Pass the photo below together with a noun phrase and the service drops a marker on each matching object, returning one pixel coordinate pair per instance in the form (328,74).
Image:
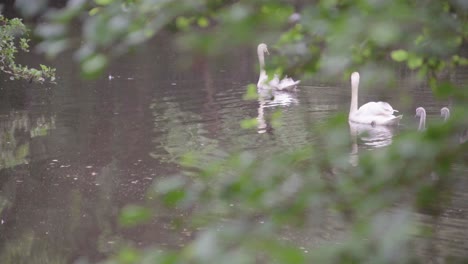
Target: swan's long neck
(445,113)
(261,60)
(422,121)
(354,92)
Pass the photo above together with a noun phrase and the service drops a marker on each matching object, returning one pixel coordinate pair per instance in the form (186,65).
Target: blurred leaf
(174,197)
(251,92)
(171,190)
(103,2)
(399,55)
(94,11)
(169,184)
(93,66)
(249,123)
(189,159)
(443,89)
(284,253)
(30,8)
(414,62)
(182,23)
(128,256)
(132,215)
(203,22)
(276,118)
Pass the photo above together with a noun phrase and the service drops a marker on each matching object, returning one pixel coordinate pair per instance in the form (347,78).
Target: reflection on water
(276,99)
(72,156)
(17,129)
(370,137)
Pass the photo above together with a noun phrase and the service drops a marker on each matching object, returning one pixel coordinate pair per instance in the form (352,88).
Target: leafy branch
(14,37)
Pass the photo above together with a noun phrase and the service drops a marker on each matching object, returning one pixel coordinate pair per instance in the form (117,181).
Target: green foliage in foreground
(253,208)
(14,36)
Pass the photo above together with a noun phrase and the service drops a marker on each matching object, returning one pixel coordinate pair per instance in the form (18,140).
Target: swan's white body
(445,113)
(421,112)
(275,83)
(372,113)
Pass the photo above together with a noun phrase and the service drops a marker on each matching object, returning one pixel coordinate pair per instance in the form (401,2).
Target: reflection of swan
(421,112)
(275,83)
(445,113)
(372,113)
(463,136)
(278,99)
(371,137)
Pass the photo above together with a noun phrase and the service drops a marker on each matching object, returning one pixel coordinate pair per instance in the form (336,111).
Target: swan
(372,113)
(445,113)
(421,112)
(275,83)
(463,135)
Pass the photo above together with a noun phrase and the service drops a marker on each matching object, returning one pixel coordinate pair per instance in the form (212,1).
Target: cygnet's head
(445,112)
(262,47)
(420,111)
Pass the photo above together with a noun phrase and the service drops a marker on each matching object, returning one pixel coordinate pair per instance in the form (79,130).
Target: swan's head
(355,79)
(295,17)
(262,47)
(445,112)
(420,111)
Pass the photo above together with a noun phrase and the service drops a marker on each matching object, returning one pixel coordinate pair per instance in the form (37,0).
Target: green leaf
(93,66)
(103,2)
(399,55)
(189,159)
(128,256)
(174,197)
(182,23)
(249,123)
(94,11)
(169,184)
(132,215)
(251,93)
(443,90)
(414,62)
(276,118)
(203,22)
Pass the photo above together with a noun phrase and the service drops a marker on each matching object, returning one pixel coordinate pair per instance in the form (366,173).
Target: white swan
(445,113)
(275,83)
(372,113)
(421,112)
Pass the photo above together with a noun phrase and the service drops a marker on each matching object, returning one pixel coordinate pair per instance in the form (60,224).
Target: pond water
(73,154)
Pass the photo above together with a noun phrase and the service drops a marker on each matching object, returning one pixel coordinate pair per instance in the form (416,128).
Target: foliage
(243,207)
(13,34)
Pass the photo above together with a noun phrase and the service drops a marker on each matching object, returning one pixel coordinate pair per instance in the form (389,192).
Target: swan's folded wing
(383,109)
(274,82)
(288,83)
(387,107)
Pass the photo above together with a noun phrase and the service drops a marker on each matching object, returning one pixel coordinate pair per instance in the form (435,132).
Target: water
(73,154)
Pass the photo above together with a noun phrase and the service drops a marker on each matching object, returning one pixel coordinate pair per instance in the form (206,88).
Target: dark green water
(73,154)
